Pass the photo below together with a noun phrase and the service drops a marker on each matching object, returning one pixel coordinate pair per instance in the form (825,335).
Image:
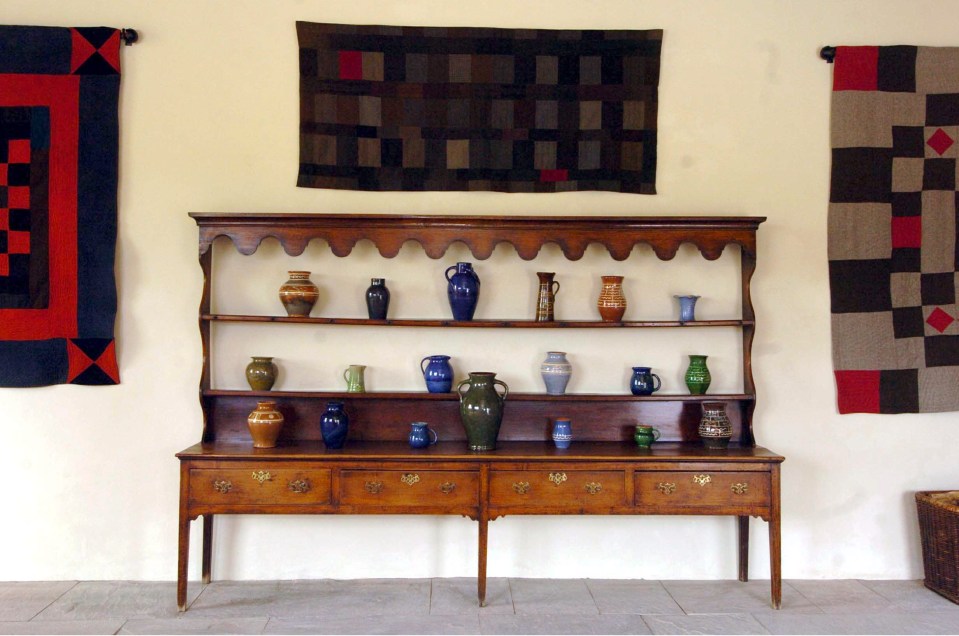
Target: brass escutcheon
(740,488)
(557,478)
(262,475)
(410,478)
(593,487)
(702,480)
(300,485)
(666,487)
(522,487)
(224,486)
(373,487)
(447,487)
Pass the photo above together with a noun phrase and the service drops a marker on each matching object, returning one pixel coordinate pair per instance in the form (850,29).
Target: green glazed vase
(481,409)
(697,375)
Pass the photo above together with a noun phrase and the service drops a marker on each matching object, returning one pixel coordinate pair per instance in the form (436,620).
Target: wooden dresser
(602,473)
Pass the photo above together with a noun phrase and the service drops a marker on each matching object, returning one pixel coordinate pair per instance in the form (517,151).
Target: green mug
(645,435)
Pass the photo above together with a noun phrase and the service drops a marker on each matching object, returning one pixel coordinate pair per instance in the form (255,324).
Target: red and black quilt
(460,108)
(58,204)
(894,202)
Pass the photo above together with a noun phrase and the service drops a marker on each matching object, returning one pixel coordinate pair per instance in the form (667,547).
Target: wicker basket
(939,531)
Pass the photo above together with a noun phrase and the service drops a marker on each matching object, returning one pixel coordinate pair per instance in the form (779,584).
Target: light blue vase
(687,308)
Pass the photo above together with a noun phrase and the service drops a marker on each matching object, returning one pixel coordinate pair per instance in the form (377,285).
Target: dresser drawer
(260,485)
(681,488)
(409,488)
(557,488)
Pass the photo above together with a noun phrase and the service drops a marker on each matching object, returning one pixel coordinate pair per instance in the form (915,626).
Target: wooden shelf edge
(530,397)
(485,323)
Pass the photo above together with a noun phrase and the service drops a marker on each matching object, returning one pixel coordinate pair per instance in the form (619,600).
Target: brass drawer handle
(447,487)
(410,478)
(300,485)
(373,487)
(262,475)
(521,487)
(666,487)
(594,487)
(702,480)
(224,486)
(557,478)
(740,488)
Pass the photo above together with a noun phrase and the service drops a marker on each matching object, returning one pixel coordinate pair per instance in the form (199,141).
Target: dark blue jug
(334,425)
(438,374)
(463,290)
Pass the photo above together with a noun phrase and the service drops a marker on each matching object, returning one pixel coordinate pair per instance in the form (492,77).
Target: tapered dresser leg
(743,548)
(481,566)
(183,541)
(207,547)
(775,542)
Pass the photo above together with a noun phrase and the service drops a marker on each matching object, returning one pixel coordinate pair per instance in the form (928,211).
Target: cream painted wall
(209,122)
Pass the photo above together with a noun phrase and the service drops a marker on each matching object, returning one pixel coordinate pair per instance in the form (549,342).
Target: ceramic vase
(463,290)
(687,308)
(556,371)
(714,427)
(546,296)
(421,435)
(612,301)
(261,373)
(377,299)
(562,432)
(354,376)
(298,294)
(334,425)
(481,409)
(644,381)
(438,373)
(265,423)
(644,436)
(697,375)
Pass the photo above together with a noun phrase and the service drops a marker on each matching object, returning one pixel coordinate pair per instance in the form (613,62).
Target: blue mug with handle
(421,435)
(438,373)
(644,381)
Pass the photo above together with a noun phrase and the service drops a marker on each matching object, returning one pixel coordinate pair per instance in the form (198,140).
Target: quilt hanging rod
(828,53)
(129,36)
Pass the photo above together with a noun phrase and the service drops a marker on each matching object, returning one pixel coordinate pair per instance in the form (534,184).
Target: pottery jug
(334,425)
(687,308)
(714,427)
(353,375)
(545,298)
(377,299)
(298,294)
(644,381)
(612,301)
(265,423)
(562,432)
(421,435)
(463,290)
(645,435)
(556,371)
(697,375)
(261,373)
(438,373)
(481,409)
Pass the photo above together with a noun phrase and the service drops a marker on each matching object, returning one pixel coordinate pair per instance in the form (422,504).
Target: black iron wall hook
(129,36)
(828,53)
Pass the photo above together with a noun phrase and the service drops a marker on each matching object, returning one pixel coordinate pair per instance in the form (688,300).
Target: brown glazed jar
(265,423)
(612,301)
(299,294)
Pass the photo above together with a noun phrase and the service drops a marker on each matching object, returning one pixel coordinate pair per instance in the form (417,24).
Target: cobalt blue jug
(438,374)
(463,290)
(334,425)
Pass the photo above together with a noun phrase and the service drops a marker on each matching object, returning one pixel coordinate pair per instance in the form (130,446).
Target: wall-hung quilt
(58,204)
(510,110)
(893,257)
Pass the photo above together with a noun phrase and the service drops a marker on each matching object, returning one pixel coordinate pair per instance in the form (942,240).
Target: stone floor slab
(106,626)
(376,625)
(735,597)
(845,597)
(563,624)
(552,596)
(618,596)
(705,624)
(911,596)
(869,623)
(458,596)
(194,626)
(95,600)
(21,601)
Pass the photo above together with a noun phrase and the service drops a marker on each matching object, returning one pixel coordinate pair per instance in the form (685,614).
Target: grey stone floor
(448,606)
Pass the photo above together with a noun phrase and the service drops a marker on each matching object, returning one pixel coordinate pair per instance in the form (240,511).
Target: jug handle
(435,435)
(658,384)
(345,371)
(556,285)
(655,434)
(448,272)
(459,385)
(505,388)
(421,365)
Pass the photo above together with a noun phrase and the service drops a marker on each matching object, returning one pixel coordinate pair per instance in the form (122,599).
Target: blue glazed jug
(421,435)
(463,290)
(438,373)
(644,381)
(334,425)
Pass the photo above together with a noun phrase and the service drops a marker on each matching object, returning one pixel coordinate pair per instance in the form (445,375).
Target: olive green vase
(481,409)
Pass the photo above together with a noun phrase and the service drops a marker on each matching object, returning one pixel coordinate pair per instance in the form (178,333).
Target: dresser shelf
(479,323)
